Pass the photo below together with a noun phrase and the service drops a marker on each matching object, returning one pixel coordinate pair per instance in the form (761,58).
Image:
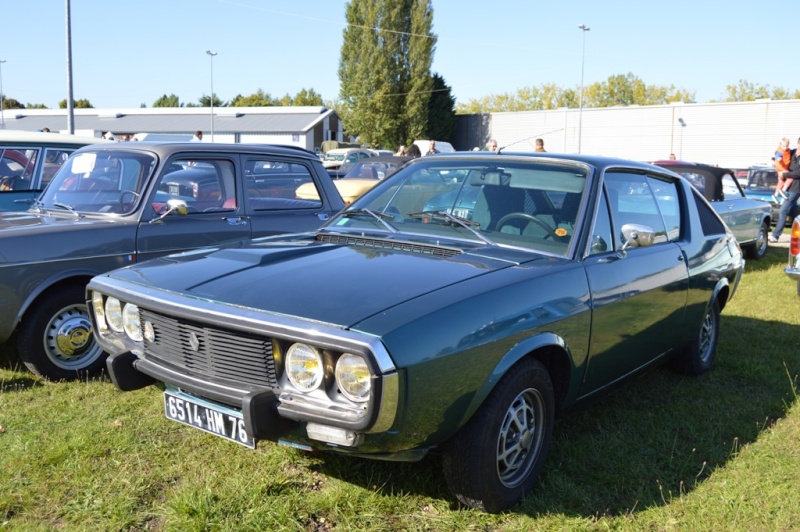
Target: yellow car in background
(363,176)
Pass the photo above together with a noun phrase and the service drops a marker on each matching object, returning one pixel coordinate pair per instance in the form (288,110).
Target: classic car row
(417,321)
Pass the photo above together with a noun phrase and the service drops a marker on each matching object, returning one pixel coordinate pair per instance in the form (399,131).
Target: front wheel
(699,355)
(497,456)
(55,337)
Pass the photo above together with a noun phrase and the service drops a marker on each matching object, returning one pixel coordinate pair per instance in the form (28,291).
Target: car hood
(335,284)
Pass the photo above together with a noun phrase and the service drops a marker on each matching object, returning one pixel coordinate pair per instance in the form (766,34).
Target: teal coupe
(414,322)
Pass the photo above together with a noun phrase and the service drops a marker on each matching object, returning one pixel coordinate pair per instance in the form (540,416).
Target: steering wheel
(525,216)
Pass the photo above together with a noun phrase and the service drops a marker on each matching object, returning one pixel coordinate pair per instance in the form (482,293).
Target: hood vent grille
(392,245)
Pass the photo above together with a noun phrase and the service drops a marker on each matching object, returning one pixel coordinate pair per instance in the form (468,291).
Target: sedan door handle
(236,220)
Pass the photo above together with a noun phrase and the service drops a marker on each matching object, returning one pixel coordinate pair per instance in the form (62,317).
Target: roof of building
(171,119)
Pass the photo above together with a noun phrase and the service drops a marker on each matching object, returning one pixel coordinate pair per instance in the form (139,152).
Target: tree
(35,106)
(307,97)
(168,101)
(384,70)
(441,111)
(257,99)
(11,103)
(76,104)
(205,101)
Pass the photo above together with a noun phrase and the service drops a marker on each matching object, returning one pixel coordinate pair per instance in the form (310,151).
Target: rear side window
(205,185)
(272,184)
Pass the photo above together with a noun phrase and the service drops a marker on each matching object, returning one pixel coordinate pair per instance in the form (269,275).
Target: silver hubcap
(706,337)
(520,438)
(68,339)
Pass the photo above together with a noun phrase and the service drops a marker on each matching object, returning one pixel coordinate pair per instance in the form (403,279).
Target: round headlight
(304,367)
(130,318)
(99,312)
(114,314)
(353,377)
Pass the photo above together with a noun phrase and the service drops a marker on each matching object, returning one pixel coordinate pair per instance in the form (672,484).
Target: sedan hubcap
(68,339)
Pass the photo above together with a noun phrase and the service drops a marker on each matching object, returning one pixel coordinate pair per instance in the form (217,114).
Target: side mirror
(637,236)
(176,206)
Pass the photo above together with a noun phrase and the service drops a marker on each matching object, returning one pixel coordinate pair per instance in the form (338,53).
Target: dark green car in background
(464,328)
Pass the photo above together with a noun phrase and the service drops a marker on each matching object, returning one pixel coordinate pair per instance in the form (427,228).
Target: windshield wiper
(70,208)
(447,217)
(380,216)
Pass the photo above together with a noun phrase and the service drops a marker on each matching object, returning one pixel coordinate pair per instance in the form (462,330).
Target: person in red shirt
(783,156)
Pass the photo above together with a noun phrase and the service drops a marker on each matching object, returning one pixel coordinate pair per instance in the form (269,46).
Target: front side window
(207,185)
(635,198)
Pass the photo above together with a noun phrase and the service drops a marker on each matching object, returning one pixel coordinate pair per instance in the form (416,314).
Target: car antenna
(529,138)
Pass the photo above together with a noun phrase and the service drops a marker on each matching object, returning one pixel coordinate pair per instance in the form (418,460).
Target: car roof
(598,161)
(683,165)
(37,137)
(165,149)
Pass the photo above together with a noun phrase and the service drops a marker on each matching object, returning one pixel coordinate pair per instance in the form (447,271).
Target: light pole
(584,28)
(211,55)
(2,114)
(680,151)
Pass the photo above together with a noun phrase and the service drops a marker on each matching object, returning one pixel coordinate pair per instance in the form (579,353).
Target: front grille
(394,245)
(203,350)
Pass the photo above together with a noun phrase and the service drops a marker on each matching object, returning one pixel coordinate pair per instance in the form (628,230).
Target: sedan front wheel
(56,340)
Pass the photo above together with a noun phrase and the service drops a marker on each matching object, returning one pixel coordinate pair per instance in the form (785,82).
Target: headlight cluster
(111,313)
(305,369)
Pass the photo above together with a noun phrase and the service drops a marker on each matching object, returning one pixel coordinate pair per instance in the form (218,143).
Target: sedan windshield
(103,181)
(509,201)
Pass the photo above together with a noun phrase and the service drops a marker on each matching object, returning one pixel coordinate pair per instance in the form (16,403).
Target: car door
(638,294)
(208,186)
(272,199)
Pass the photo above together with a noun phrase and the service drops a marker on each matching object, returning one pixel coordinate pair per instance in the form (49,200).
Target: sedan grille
(203,350)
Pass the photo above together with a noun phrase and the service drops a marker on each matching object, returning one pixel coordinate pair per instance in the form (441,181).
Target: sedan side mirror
(177,206)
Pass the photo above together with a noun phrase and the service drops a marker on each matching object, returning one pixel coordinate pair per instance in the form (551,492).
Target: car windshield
(105,181)
(334,157)
(512,202)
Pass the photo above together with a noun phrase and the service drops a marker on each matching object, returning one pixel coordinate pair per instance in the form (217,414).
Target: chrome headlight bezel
(131,322)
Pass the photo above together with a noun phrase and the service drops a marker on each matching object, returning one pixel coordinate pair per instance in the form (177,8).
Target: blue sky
(126,53)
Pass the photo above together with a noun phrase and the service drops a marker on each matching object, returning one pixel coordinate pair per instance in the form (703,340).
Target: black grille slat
(221,353)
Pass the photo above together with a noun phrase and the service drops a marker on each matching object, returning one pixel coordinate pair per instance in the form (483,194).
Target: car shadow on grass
(649,442)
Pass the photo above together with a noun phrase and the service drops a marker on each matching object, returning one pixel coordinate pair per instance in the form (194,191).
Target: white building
(733,135)
(306,127)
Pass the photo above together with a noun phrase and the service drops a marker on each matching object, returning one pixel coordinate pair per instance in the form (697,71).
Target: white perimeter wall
(734,135)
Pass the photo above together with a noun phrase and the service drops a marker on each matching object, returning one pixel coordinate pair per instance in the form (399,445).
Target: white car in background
(441,145)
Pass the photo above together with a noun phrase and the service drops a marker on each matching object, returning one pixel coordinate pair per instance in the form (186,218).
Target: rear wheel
(497,456)
(698,357)
(55,338)
(758,249)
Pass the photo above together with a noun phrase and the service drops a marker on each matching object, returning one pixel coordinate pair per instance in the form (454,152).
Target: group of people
(787,191)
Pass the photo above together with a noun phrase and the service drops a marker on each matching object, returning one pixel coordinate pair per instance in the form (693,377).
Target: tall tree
(307,97)
(11,103)
(384,70)
(441,111)
(257,99)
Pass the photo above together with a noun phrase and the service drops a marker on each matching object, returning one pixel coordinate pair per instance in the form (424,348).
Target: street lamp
(683,125)
(584,28)
(211,55)
(2,114)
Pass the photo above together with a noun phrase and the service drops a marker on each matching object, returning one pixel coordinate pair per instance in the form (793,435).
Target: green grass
(665,452)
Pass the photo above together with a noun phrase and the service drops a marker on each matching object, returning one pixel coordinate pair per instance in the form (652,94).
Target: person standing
(491,145)
(789,206)
(540,145)
(198,136)
(783,156)
(432,148)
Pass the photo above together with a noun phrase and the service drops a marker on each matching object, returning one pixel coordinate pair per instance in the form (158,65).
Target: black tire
(496,458)
(758,249)
(55,338)
(699,355)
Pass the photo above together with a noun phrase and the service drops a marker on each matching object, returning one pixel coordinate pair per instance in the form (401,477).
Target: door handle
(237,220)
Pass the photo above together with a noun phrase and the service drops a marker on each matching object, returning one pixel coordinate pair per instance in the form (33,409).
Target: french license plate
(221,421)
